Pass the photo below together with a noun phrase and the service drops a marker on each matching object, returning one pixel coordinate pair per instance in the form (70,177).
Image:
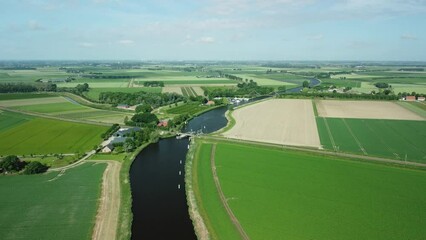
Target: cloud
(206,40)
(316,37)
(408,37)
(86,45)
(126,42)
(35,25)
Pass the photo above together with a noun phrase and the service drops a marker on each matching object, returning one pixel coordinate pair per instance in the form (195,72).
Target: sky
(292,30)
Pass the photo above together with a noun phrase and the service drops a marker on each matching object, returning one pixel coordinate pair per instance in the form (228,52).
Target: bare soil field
(279,121)
(365,110)
(31,101)
(169,89)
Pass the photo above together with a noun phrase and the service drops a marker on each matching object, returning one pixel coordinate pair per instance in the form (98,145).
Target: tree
(11,163)
(141,119)
(305,84)
(143,108)
(35,168)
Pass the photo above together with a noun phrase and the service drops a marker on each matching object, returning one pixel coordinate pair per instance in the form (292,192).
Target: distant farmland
(50,206)
(395,139)
(44,136)
(276,193)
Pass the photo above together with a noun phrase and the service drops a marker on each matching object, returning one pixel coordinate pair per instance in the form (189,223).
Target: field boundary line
(109,207)
(355,138)
(329,134)
(222,196)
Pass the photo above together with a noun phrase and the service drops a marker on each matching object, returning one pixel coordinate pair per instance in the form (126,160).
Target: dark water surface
(159,204)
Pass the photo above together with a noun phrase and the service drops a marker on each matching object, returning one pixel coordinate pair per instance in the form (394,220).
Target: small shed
(210,103)
(108,148)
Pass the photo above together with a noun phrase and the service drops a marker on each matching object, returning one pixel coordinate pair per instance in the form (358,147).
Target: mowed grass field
(28,135)
(283,194)
(45,207)
(395,139)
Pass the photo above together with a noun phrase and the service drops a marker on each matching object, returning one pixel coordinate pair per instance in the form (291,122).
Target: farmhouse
(210,103)
(123,106)
(421,99)
(124,132)
(410,98)
(163,123)
(110,146)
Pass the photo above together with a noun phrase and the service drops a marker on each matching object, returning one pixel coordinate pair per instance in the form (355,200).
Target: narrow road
(80,161)
(108,211)
(222,196)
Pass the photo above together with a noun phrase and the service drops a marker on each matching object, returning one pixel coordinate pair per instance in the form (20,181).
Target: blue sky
(213,30)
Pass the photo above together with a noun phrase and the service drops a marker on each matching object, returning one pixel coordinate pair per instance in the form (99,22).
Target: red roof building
(410,98)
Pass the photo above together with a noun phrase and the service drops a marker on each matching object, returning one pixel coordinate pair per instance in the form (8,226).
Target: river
(159,207)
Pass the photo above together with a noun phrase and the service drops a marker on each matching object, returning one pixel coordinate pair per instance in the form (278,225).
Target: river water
(157,183)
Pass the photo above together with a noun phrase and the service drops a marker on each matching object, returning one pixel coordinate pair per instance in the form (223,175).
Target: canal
(159,207)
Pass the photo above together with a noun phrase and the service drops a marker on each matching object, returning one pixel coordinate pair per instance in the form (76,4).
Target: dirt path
(222,197)
(108,211)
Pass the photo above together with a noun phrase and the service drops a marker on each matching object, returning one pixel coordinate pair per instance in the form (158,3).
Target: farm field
(276,79)
(365,110)
(172,89)
(188,92)
(31,101)
(49,206)
(279,121)
(394,139)
(44,136)
(64,108)
(14,96)
(306,196)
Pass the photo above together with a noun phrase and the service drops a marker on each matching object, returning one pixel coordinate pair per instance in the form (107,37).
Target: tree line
(22,87)
(153,99)
(12,164)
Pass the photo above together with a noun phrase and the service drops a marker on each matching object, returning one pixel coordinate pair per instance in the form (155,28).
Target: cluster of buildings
(118,137)
(413,98)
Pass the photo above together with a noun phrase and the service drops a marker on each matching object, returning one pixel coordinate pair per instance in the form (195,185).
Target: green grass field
(44,136)
(53,107)
(278,194)
(208,200)
(33,207)
(14,96)
(395,139)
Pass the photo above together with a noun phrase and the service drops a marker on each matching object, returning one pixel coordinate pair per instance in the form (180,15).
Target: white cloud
(316,37)
(206,40)
(408,37)
(86,45)
(35,25)
(126,42)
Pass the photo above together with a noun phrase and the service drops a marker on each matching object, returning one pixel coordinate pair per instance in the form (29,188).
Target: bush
(11,164)
(35,168)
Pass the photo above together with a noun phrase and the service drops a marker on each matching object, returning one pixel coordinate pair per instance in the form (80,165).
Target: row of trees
(153,99)
(12,163)
(377,96)
(21,87)
(153,84)
(244,89)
